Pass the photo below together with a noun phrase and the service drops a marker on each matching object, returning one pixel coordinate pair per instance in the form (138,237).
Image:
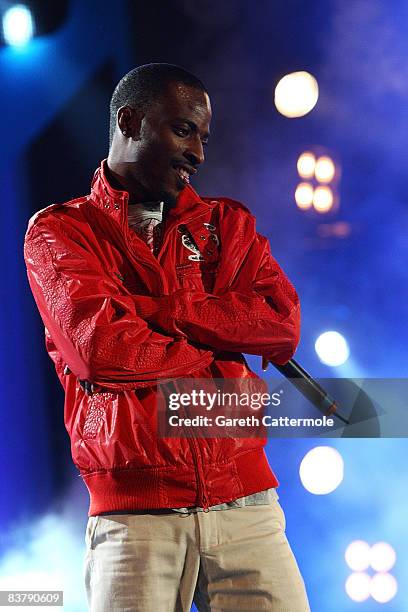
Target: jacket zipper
(150,261)
(197,459)
(198,463)
(203,497)
(195,450)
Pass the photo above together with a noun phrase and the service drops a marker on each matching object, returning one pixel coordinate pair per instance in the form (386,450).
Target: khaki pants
(236,559)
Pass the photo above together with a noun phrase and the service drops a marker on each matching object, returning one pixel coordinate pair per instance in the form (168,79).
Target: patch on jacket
(189,243)
(209,239)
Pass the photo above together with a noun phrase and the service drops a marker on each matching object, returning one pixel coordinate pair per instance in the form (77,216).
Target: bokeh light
(18,26)
(325,169)
(383,587)
(304,196)
(322,470)
(296,94)
(332,348)
(357,555)
(306,164)
(382,557)
(358,586)
(323,199)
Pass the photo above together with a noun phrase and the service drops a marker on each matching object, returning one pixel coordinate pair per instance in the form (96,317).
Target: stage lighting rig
(361,558)
(320,176)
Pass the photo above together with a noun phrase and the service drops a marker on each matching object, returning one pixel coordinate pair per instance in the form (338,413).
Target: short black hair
(144,85)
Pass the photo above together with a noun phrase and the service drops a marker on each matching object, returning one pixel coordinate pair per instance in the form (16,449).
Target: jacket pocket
(91,531)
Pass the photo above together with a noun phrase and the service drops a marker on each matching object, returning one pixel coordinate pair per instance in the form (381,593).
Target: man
(141,281)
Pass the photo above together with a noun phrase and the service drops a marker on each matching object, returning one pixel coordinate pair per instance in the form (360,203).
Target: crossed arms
(113,338)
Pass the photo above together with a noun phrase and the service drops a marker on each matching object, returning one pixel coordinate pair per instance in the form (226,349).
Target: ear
(129,122)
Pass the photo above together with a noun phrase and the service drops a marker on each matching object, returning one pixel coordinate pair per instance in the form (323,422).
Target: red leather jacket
(121,318)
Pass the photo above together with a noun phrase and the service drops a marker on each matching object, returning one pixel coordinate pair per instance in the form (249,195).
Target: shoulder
(228,204)
(236,221)
(241,218)
(55,213)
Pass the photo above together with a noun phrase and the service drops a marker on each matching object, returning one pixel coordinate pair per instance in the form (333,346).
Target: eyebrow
(193,126)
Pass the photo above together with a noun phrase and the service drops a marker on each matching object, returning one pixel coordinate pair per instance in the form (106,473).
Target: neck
(120,177)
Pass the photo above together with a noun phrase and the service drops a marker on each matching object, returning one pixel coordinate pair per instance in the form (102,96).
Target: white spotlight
(323,199)
(382,557)
(296,94)
(332,348)
(357,555)
(304,196)
(306,164)
(383,587)
(18,26)
(325,169)
(321,470)
(358,586)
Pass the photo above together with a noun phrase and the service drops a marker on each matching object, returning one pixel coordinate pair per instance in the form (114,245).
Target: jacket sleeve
(258,314)
(99,332)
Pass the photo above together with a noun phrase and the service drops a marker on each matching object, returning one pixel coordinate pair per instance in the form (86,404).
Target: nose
(195,151)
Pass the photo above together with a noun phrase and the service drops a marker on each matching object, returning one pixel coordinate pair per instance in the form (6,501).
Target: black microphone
(310,388)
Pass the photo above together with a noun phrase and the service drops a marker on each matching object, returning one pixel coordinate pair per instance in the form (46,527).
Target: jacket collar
(114,202)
